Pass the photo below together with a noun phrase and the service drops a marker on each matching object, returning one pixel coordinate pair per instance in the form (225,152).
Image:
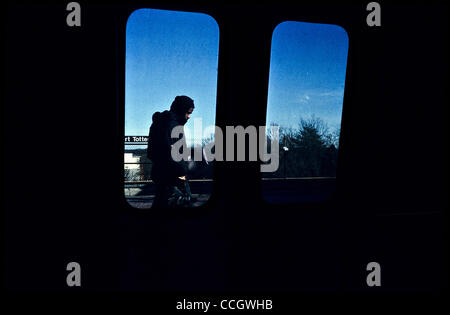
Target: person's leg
(172,192)
(161,195)
(182,193)
(188,192)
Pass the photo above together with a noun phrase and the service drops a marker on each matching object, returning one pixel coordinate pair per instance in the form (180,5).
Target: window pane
(168,53)
(305,99)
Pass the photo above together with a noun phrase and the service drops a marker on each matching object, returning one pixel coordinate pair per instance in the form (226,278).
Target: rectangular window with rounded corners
(305,99)
(169,54)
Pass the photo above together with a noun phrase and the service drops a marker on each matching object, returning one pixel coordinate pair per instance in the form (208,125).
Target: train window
(305,99)
(168,54)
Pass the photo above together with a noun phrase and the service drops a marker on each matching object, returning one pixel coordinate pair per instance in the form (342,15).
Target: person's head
(182,107)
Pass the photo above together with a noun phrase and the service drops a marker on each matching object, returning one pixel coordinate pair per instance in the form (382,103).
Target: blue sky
(170,53)
(307,73)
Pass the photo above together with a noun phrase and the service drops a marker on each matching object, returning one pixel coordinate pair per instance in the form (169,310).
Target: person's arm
(178,167)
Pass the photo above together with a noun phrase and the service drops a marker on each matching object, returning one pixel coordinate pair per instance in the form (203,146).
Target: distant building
(131,170)
(130,158)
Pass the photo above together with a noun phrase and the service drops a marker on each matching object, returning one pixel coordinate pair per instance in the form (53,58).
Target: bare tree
(309,150)
(131,175)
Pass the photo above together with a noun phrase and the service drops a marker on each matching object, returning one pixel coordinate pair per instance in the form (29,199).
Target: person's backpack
(151,136)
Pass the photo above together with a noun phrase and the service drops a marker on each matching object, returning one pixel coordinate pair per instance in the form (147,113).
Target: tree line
(310,150)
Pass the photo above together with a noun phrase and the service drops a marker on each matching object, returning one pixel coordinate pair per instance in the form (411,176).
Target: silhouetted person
(169,176)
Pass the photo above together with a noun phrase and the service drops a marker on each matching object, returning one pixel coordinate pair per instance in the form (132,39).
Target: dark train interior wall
(64,122)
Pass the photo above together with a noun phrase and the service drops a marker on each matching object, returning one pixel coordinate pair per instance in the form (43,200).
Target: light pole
(285,149)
